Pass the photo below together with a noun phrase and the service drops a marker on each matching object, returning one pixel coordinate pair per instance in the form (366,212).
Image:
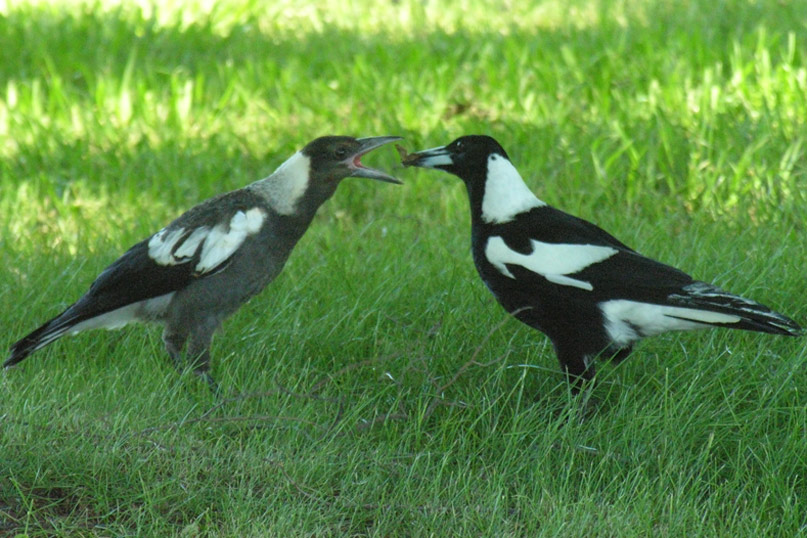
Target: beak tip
(368,145)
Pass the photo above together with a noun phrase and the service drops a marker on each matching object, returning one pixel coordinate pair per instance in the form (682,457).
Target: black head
(466,157)
(333,158)
(310,176)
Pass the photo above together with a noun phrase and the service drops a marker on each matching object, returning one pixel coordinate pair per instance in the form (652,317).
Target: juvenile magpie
(204,265)
(587,291)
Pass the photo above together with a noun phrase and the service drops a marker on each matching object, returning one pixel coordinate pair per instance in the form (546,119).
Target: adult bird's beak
(367,145)
(428,158)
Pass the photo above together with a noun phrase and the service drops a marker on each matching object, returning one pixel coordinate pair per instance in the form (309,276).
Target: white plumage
(190,245)
(506,195)
(222,241)
(289,183)
(161,246)
(628,321)
(218,243)
(552,261)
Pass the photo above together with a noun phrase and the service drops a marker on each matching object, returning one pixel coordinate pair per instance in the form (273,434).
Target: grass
(375,388)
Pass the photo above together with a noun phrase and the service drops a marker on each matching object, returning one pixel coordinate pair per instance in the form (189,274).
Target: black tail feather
(44,335)
(753,315)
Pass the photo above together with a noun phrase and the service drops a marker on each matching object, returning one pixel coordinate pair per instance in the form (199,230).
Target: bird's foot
(214,387)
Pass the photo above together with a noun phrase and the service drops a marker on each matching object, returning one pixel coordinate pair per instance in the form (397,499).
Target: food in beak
(407,159)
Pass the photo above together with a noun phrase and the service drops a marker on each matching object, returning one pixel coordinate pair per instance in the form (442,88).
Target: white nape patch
(506,194)
(222,241)
(146,310)
(627,321)
(553,261)
(287,184)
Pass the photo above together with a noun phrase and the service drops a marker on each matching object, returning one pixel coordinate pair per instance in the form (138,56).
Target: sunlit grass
(679,127)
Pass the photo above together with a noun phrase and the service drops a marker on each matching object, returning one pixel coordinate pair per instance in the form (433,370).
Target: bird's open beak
(428,158)
(367,145)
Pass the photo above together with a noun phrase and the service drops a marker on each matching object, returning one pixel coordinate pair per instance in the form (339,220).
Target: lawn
(376,388)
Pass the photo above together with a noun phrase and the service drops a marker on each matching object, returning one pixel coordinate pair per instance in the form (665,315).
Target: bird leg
(174,342)
(580,375)
(202,369)
(199,354)
(579,369)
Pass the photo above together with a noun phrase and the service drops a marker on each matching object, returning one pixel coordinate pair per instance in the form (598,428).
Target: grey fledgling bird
(203,266)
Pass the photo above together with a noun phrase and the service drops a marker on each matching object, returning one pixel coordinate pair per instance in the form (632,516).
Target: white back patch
(506,194)
(627,321)
(552,261)
(287,184)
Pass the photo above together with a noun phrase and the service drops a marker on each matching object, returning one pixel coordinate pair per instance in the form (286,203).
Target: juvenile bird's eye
(340,153)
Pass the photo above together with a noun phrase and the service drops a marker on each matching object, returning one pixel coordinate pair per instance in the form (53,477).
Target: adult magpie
(204,265)
(586,290)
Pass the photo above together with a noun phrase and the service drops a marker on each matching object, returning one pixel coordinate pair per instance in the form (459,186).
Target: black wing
(199,243)
(629,275)
(151,268)
(550,225)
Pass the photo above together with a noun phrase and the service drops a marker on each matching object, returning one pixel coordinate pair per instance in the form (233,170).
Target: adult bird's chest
(530,283)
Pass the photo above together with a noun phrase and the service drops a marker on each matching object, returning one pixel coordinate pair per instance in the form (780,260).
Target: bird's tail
(751,316)
(44,335)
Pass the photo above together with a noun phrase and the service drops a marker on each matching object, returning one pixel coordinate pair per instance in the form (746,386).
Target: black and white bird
(204,265)
(587,291)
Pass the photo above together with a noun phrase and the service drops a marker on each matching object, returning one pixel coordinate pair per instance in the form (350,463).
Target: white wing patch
(217,244)
(506,194)
(221,242)
(627,321)
(191,244)
(553,261)
(162,244)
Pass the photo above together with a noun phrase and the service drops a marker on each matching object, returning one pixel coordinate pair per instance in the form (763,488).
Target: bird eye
(340,153)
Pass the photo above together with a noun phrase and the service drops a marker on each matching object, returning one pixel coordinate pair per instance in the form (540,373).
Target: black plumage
(587,291)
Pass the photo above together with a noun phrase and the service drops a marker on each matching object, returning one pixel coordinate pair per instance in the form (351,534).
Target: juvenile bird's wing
(199,243)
